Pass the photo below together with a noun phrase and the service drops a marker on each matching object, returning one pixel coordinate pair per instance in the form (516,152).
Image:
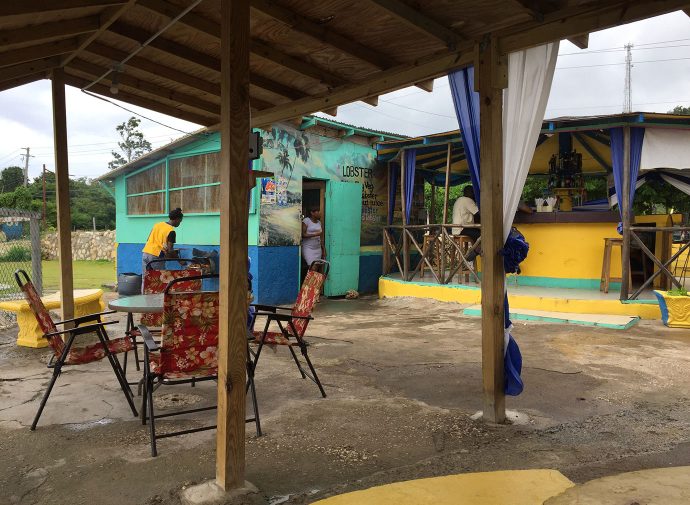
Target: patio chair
(292,322)
(186,354)
(155,281)
(64,353)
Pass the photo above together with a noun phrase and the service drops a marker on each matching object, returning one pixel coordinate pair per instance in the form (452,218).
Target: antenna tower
(627,98)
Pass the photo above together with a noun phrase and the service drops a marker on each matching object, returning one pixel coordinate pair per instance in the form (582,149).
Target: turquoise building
(314,161)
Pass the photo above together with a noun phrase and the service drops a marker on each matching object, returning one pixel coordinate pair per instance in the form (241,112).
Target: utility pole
(44,195)
(26,165)
(627,98)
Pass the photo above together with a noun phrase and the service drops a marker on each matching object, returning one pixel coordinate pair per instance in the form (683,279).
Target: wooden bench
(86,301)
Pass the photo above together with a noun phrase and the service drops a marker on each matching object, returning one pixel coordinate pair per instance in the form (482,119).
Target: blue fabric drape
(466,102)
(636,140)
(409,162)
(393,169)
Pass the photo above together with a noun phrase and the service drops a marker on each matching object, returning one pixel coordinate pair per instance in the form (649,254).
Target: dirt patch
(403,379)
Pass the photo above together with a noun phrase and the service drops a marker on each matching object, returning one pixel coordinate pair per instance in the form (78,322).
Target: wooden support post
(626,213)
(232,336)
(445,215)
(492,77)
(404,237)
(64,213)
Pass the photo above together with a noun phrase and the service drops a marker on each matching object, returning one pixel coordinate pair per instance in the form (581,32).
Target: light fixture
(114,84)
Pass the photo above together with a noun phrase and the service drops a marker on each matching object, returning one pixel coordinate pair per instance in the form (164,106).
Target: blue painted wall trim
(278,280)
(370,269)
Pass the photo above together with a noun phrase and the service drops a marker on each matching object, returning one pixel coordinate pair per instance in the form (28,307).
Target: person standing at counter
(466,212)
(161,240)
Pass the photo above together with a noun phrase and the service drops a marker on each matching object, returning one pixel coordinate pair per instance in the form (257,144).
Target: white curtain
(665,148)
(678,183)
(530,73)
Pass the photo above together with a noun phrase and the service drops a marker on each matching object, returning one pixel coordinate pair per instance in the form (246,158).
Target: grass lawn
(87,274)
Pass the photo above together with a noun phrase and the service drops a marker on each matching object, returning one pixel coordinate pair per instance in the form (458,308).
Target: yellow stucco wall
(568,250)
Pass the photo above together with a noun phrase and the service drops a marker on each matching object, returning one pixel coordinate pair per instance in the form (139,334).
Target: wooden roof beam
(333,111)
(140,101)
(322,33)
(38,51)
(422,23)
(45,31)
(36,6)
(580,41)
(108,17)
(584,18)
(372,100)
(6,84)
(259,48)
(154,89)
(30,68)
(384,82)
(151,67)
(427,85)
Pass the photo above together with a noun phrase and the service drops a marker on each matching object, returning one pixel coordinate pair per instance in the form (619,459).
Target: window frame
(167,189)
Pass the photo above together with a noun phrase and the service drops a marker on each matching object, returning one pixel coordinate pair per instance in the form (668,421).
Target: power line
(615,64)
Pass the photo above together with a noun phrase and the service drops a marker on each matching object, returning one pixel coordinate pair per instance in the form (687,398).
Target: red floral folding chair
(292,322)
(187,352)
(64,353)
(155,281)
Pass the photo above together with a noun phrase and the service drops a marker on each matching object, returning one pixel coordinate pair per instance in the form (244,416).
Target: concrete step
(601,320)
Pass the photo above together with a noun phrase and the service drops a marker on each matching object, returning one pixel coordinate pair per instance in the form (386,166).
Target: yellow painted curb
(391,288)
(514,487)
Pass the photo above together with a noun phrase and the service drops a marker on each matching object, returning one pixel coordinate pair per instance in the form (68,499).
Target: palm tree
(284,161)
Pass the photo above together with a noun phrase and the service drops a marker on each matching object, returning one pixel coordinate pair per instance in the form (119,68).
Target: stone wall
(86,245)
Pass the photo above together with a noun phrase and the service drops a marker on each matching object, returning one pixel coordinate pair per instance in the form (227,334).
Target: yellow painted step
(514,487)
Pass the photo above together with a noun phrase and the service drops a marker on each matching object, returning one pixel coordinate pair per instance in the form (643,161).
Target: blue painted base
(275,270)
(370,269)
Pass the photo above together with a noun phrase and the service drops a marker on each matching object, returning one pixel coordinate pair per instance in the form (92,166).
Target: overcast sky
(586,82)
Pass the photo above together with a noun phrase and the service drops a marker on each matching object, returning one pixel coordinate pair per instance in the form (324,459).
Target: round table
(136,304)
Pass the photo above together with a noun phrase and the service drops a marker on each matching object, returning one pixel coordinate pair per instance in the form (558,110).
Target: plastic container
(128,284)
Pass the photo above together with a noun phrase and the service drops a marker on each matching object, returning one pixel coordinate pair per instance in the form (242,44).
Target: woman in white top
(312,237)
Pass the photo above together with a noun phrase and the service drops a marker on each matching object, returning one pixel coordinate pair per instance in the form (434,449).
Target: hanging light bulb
(114,84)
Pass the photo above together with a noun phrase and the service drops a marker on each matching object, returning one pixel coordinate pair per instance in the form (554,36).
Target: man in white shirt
(465,212)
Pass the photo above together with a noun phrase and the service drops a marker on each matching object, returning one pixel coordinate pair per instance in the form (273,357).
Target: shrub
(16,253)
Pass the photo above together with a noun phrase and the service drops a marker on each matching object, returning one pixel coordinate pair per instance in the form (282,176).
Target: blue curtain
(636,140)
(393,169)
(466,102)
(410,163)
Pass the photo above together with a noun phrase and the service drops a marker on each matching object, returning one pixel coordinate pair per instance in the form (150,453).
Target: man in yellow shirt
(161,241)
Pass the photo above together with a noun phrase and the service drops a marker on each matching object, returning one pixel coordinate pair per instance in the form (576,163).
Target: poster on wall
(268,191)
(292,155)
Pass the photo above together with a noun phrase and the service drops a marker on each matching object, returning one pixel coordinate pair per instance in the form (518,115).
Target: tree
(679,109)
(133,144)
(11,178)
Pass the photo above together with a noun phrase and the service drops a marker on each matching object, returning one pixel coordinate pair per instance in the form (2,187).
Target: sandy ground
(403,379)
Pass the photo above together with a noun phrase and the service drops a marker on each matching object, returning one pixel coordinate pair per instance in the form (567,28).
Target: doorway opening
(313,196)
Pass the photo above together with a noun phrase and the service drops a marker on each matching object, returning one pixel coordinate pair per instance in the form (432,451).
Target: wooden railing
(674,276)
(439,253)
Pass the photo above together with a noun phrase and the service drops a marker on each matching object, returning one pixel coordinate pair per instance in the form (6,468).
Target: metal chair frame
(97,326)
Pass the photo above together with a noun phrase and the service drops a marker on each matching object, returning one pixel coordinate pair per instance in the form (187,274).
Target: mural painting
(291,155)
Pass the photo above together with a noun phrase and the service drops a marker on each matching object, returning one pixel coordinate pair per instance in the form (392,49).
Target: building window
(194,183)
(146,191)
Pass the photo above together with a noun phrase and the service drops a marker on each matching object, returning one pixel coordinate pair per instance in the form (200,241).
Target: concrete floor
(403,379)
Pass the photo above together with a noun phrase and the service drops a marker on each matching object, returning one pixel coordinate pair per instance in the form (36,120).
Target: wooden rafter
(258,47)
(108,17)
(140,101)
(322,33)
(38,51)
(21,81)
(30,68)
(422,23)
(580,41)
(45,31)
(384,82)
(34,6)
(579,19)
(151,67)
(153,89)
